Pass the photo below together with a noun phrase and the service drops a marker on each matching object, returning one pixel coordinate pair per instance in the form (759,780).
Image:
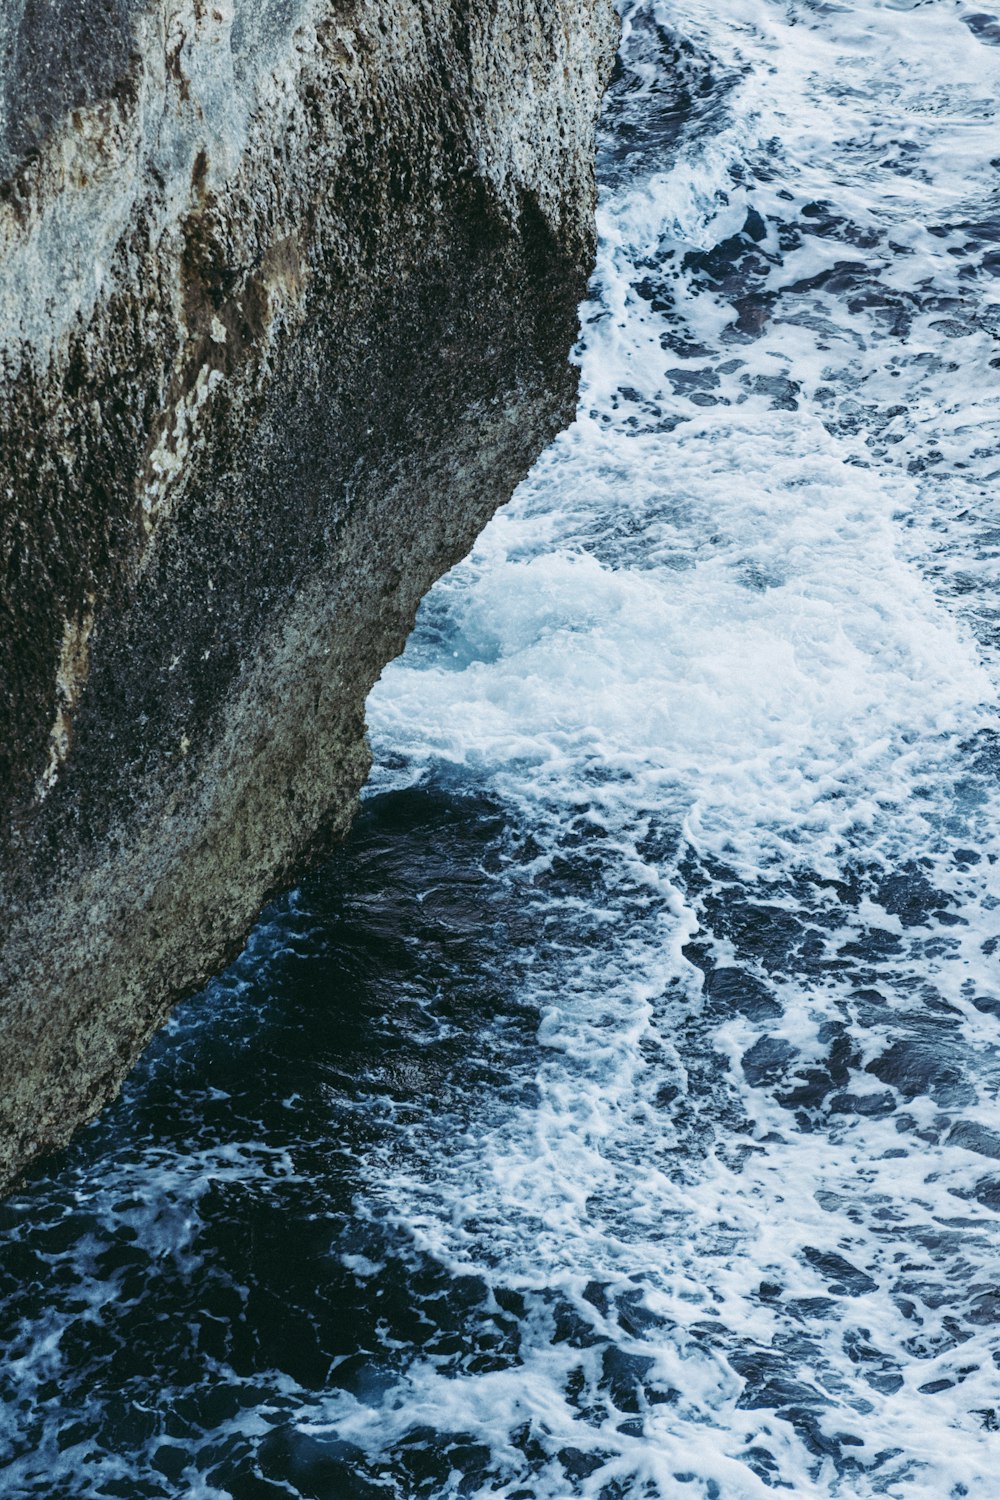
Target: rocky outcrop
(287,289)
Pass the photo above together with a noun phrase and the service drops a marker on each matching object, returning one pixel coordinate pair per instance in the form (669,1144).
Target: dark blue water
(616,1114)
(186,1281)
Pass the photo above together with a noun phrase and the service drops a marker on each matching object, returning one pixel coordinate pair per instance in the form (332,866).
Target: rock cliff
(287,289)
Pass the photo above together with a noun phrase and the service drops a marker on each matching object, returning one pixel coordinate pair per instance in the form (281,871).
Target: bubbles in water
(616,1115)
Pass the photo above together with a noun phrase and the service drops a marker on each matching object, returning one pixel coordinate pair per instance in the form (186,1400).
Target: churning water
(617,1114)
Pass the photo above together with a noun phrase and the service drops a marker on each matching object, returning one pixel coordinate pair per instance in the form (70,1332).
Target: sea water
(616,1115)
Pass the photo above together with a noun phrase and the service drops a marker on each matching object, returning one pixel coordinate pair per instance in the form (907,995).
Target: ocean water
(616,1115)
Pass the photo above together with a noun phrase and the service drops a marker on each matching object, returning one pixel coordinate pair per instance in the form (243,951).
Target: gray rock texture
(287,290)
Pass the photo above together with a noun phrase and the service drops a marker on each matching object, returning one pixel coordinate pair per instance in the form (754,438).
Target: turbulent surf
(616,1114)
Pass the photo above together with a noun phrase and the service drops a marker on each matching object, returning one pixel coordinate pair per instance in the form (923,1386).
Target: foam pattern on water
(730,657)
(617,1115)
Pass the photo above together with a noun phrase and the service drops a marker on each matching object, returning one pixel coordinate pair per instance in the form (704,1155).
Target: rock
(287,289)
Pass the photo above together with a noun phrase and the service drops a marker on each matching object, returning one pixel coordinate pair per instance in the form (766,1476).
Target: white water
(728,660)
(616,1115)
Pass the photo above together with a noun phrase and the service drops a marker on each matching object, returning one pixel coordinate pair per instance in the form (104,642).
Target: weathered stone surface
(287,289)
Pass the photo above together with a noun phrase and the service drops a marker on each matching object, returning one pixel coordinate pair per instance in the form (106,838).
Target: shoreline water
(616,1115)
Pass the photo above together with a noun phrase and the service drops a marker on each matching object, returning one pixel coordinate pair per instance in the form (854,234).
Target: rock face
(287,289)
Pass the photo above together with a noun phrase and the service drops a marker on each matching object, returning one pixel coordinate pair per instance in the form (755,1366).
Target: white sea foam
(618,1117)
(729,655)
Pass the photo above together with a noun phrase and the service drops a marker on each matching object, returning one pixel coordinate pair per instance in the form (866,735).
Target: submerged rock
(287,289)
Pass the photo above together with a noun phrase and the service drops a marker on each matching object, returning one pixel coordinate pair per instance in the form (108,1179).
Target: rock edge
(287,290)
